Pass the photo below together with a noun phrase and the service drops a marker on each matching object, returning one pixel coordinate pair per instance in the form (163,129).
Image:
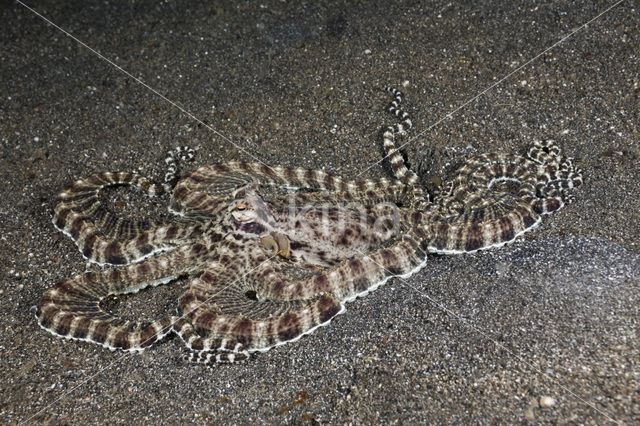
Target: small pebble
(547,401)
(529,414)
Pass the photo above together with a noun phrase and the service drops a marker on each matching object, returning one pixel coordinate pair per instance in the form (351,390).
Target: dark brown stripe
(267,170)
(290,174)
(320,283)
(361,284)
(475,238)
(198,249)
(506,229)
(145,249)
(289,327)
(115,275)
(327,309)
(553,205)
(460,242)
(100,333)
(395,270)
(221,168)
(223,328)
(440,236)
(477,215)
(357,268)
(76,226)
(180,192)
(297,245)
(197,178)
(242,328)
(416,217)
(527,218)
(121,341)
(144,269)
(389,258)
(65,286)
(45,320)
(187,298)
(82,327)
(113,254)
(148,337)
(61,218)
(87,249)
(208,277)
(205,321)
(278,286)
(309,175)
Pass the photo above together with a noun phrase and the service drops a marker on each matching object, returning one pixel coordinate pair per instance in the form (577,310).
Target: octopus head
(251,213)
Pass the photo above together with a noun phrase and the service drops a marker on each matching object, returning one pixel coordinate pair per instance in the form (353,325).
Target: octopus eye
(241,207)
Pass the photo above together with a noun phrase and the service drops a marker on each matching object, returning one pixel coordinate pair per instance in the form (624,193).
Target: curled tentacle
(72,308)
(106,238)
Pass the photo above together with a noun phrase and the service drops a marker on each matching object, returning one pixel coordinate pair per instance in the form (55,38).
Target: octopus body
(272,253)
